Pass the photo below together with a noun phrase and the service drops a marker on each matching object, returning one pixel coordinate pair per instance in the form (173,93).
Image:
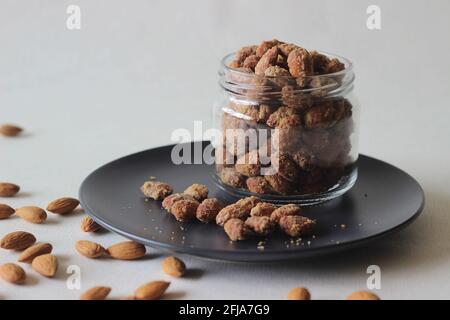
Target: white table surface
(139,69)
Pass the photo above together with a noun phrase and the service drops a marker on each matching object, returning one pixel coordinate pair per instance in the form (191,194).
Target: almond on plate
(34,251)
(152,290)
(89,249)
(13,273)
(17,240)
(8,189)
(5,211)
(127,250)
(63,205)
(96,293)
(46,265)
(32,214)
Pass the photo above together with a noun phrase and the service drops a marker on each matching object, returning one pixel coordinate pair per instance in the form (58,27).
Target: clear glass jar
(285,139)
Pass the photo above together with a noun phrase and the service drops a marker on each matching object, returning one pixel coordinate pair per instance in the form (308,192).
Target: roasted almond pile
(241,220)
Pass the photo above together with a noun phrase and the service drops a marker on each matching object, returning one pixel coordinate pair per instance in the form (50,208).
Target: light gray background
(139,69)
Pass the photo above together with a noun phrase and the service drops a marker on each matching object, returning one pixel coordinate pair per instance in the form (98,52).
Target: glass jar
(285,139)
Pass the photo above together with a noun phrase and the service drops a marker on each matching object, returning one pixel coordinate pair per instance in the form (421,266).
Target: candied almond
(260,225)
(156,190)
(300,63)
(263,209)
(184,210)
(268,59)
(259,185)
(208,210)
(245,52)
(251,62)
(280,184)
(286,210)
(232,178)
(248,164)
(296,226)
(169,201)
(265,46)
(198,191)
(236,229)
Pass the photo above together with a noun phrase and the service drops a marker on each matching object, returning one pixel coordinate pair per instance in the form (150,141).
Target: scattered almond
(10,130)
(46,265)
(174,266)
(13,273)
(89,225)
(5,211)
(299,293)
(89,249)
(18,240)
(127,250)
(32,214)
(8,189)
(63,205)
(363,295)
(152,290)
(96,293)
(34,251)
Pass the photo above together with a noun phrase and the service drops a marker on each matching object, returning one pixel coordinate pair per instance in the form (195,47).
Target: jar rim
(348,66)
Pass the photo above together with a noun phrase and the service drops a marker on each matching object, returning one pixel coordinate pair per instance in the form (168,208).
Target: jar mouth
(348,66)
(255,89)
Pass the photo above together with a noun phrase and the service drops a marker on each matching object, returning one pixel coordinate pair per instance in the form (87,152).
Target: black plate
(383,200)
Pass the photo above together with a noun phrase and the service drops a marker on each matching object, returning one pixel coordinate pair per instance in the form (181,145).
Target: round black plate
(383,200)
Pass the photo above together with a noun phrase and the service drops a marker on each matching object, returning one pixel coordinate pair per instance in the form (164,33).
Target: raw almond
(174,266)
(5,211)
(89,225)
(18,240)
(10,130)
(127,250)
(89,249)
(46,265)
(8,189)
(32,214)
(152,290)
(299,293)
(13,273)
(363,295)
(63,205)
(96,293)
(34,251)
